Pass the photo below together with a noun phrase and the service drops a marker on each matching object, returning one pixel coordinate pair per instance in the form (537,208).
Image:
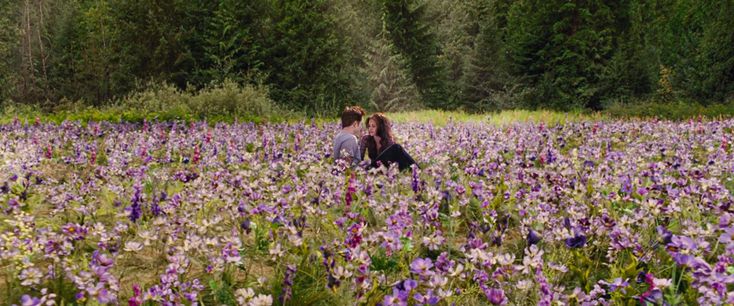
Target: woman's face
(372,127)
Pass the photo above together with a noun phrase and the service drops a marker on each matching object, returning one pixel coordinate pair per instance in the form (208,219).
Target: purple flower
(427,299)
(27,300)
(408,285)
(495,296)
(421,266)
(398,297)
(74,231)
(290,274)
(415,184)
(617,283)
(577,241)
(104,296)
(135,208)
(665,235)
(443,263)
(653,295)
(245,225)
(533,237)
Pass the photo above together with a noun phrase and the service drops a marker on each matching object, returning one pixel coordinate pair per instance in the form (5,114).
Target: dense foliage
(319,55)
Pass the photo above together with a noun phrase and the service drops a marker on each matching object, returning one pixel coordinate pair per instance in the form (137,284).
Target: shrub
(228,99)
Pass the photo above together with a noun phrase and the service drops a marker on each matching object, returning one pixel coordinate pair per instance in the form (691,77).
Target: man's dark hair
(352,114)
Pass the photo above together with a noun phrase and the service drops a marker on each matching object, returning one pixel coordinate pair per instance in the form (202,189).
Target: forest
(316,56)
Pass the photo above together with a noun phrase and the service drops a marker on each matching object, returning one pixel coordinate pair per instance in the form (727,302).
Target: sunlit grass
(442,118)
(117,113)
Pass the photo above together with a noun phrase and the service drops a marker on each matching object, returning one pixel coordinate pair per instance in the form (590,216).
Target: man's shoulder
(342,137)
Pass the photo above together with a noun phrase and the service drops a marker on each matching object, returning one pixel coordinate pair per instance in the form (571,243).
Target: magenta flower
(496,296)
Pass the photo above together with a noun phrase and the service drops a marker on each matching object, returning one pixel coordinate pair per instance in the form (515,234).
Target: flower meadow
(582,213)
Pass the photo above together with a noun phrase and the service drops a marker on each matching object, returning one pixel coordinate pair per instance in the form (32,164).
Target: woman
(380,144)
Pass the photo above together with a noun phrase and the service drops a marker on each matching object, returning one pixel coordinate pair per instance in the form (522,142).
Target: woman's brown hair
(384,131)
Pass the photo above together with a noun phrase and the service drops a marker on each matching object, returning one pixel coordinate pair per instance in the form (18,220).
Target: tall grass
(441,118)
(679,110)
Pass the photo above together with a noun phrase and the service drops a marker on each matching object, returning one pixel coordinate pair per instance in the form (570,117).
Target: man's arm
(352,148)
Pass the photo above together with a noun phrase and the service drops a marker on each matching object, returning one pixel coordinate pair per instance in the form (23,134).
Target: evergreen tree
(487,83)
(160,40)
(233,42)
(560,48)
(392,89)
(9,41)
(308,63)
(715,59)
(632,70)
(410,33)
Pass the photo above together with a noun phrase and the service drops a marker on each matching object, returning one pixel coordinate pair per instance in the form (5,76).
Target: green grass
(679,110)
(442,118)
(437,117)
(122,113)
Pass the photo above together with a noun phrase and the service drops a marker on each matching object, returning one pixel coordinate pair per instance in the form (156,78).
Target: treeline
(318,55)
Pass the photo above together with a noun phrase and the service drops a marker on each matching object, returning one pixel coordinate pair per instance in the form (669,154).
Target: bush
(227,99)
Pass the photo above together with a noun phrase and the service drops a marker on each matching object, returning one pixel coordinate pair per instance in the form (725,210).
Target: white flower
(445,293)
(147,237)
(31,276)
(524,284)
(433,242)
(262,300)
(295,239)
(132,246)
(459,268)
(437,281)
(558,267)
(505,259)
(276,252)
(244,295)
(661,282)
(341,273)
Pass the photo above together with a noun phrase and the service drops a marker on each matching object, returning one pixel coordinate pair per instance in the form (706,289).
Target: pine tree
(392,89)
(410,33)
(487,81)
(233,46)
(8,46)
(560,48)
(716,56)
(308,63)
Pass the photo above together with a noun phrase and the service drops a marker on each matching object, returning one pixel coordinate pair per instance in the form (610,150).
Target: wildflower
(421,266)
(261,300)
(30,276)
(244,295)
(533,237)
(496,296)
(578,241)
(290,273)
(616,284)
(428,299)
(137,298)
(132,246)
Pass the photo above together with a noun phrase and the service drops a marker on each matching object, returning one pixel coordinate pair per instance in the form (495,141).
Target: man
(346,140)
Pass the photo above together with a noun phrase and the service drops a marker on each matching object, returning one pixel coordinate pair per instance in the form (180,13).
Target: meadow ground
(515,207)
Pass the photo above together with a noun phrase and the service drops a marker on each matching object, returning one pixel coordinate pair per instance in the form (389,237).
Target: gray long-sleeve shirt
(346,142)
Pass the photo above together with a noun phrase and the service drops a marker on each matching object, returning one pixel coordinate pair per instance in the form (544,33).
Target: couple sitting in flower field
(379,143)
